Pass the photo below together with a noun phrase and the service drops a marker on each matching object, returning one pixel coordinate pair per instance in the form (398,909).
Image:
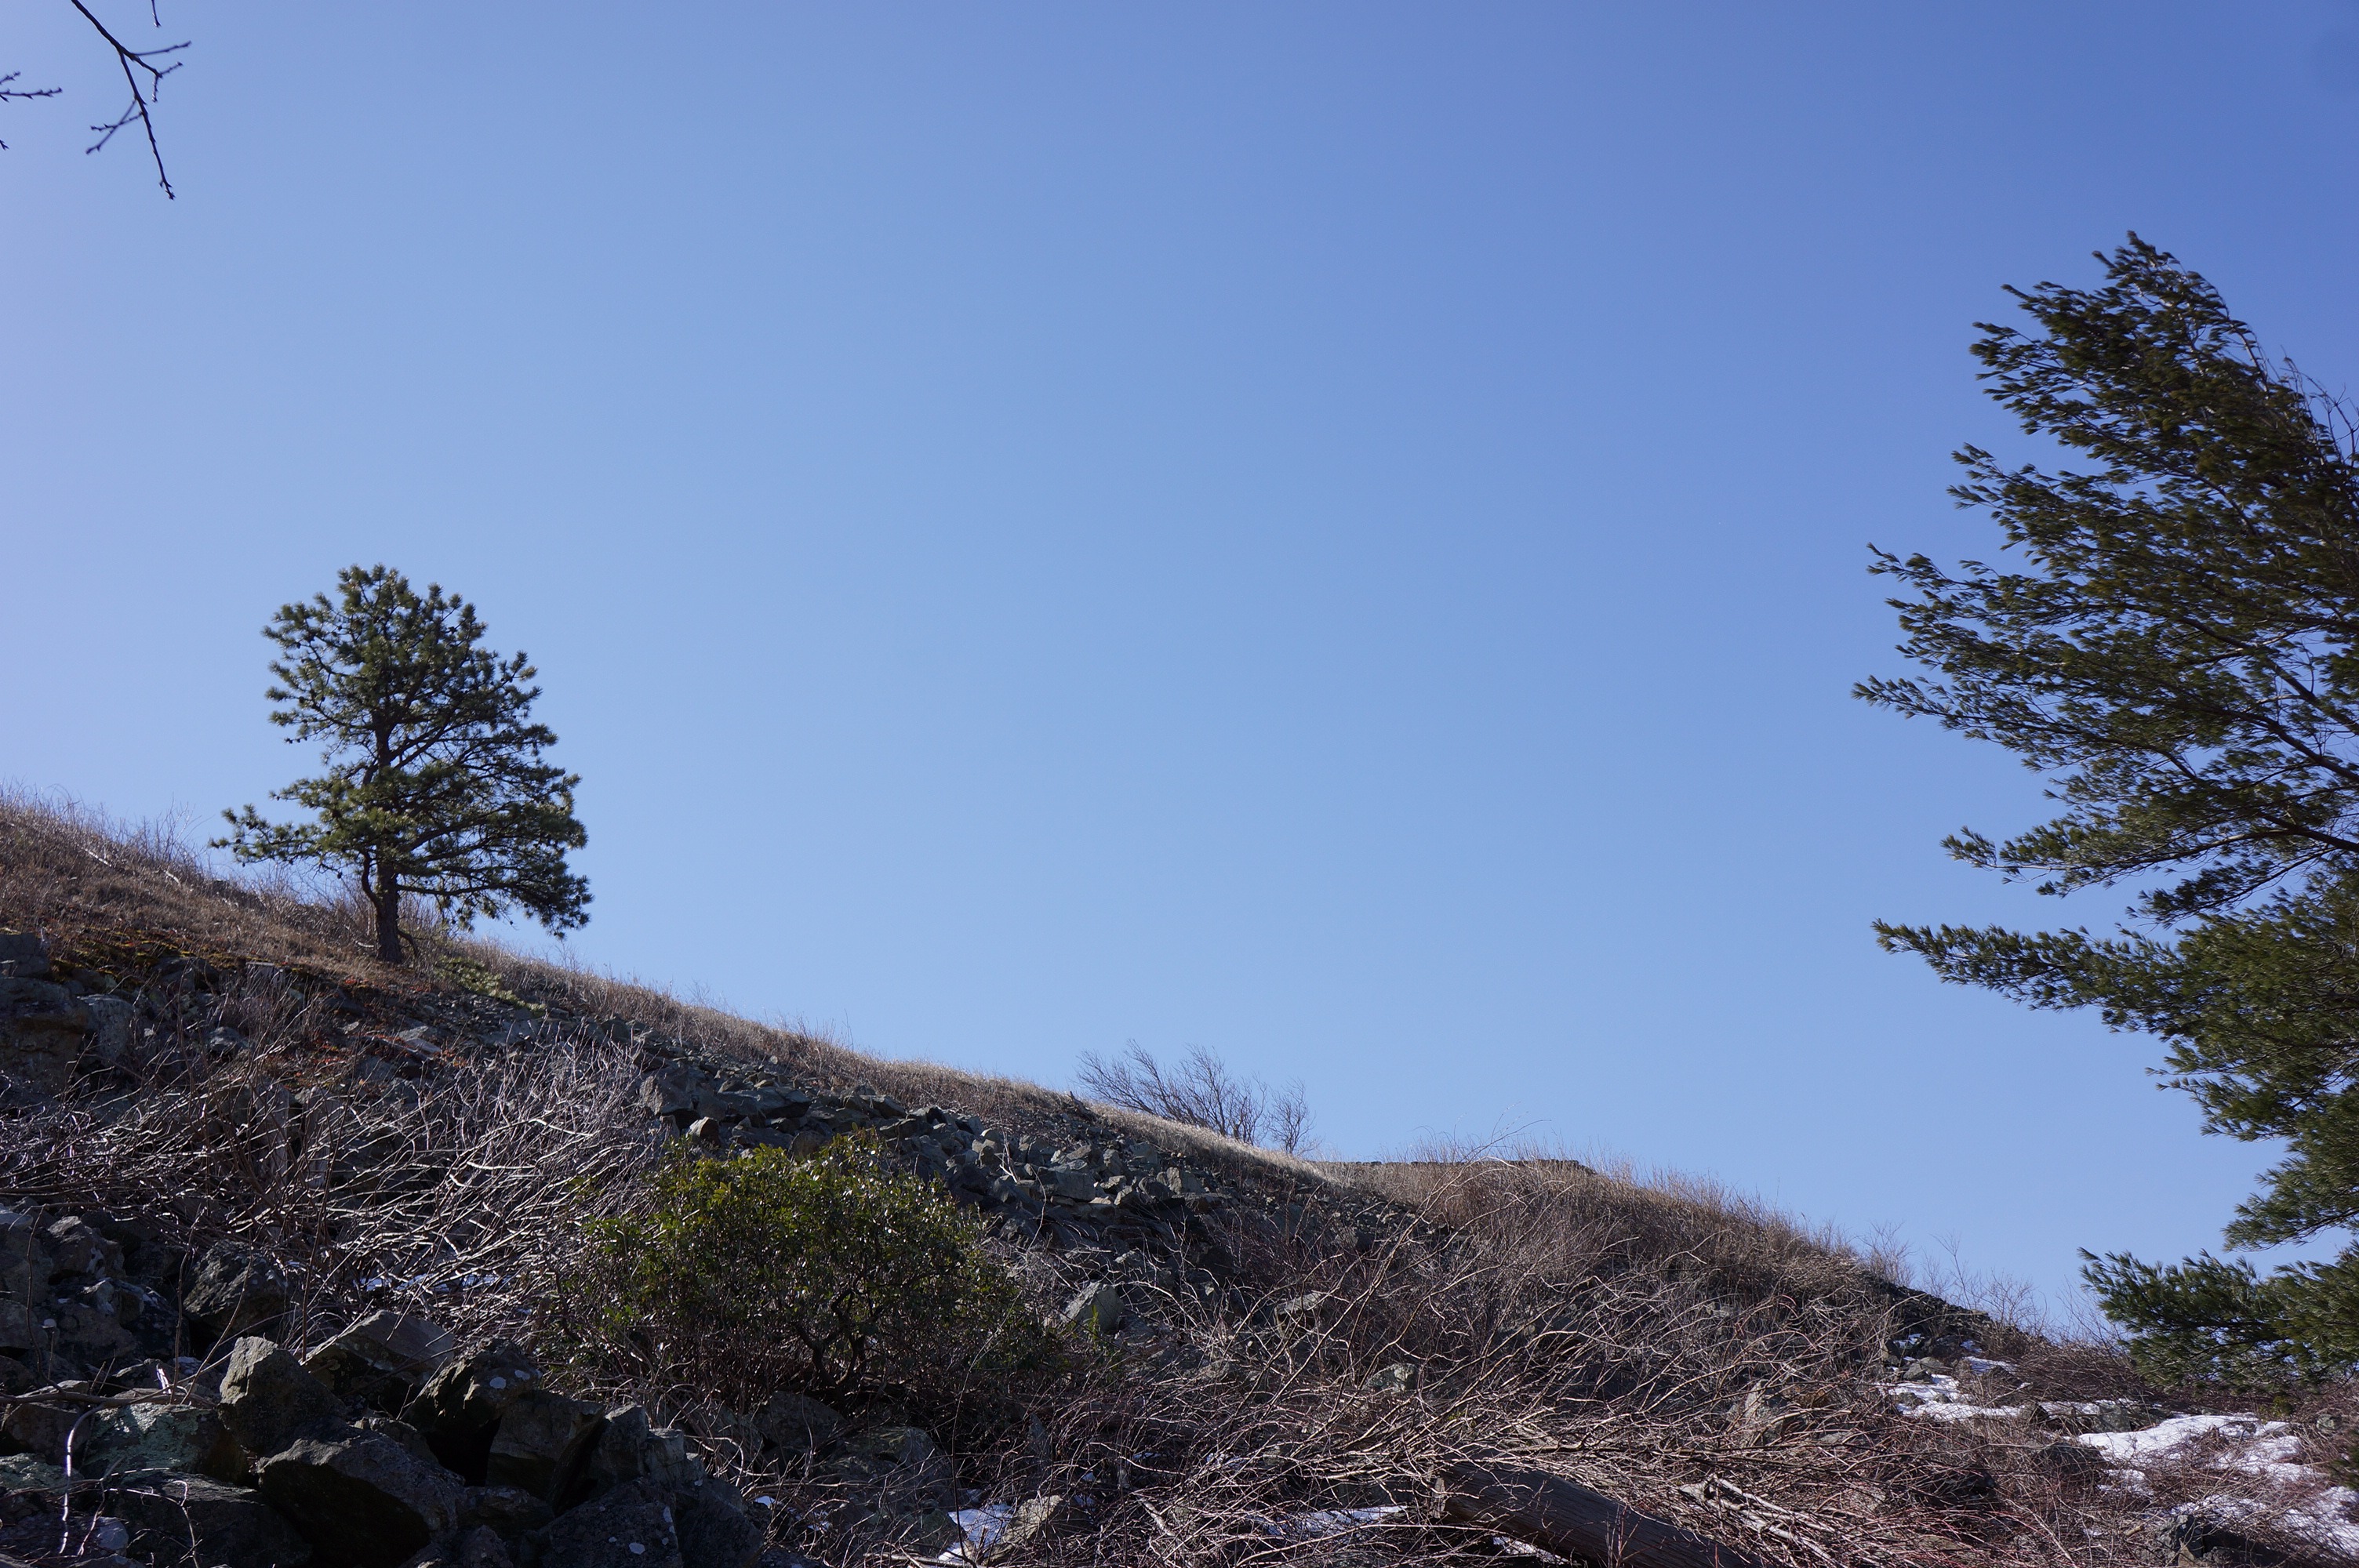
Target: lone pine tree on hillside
(2176,647)
(434,783)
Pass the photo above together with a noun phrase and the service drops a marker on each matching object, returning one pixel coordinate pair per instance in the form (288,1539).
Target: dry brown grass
(68,870)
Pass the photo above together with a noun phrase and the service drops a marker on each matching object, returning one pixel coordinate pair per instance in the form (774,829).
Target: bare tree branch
(1199,1091)
(133,62)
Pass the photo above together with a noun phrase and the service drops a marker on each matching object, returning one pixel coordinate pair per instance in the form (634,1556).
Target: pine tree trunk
(388,918)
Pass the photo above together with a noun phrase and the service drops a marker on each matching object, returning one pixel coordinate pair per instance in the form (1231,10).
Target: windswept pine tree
(2171,639)
(434,783)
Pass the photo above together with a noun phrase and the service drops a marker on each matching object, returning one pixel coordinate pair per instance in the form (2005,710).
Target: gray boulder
(401,1431)
(459,1408)
(170,1514)
(1097,1309)
(893,1469)
(482,1547)
(793,1423)
(630,1527)
(383,1359)
(19,1329)
(630,1449)
(504,1510)
(268,1400)
(676,1090)
(23,957)
(24,1262)
(78,1247)
(236,1291)
(42,1027)
(111,1019)
(40,1430)
(541,1443)
(714,1532)
(472,1547)
(360,1497)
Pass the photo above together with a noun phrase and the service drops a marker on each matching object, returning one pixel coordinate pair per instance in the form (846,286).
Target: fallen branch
(1569,1519)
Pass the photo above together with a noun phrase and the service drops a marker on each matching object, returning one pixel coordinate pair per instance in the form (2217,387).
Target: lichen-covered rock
(27,1473)
(160,1436)
(382,1359)
(268,1400)
(169,1513)
(360,1497)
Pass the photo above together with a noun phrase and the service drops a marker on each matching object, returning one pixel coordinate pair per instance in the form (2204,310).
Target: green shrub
(831,1275)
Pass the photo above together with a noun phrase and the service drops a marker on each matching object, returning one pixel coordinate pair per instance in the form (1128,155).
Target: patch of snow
(2263,1449)
(1939,1398)
(2264,1442)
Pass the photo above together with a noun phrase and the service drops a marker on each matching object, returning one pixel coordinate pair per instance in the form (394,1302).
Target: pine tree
(2176,648)
(434,783)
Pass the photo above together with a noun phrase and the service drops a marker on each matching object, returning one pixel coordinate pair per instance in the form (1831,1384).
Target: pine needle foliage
(2174,645)
(434,783)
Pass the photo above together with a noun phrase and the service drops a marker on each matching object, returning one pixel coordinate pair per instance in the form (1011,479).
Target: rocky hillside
(289,1241)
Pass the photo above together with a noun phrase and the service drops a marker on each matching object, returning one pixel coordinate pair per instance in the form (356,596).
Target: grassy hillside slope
(1299,1358)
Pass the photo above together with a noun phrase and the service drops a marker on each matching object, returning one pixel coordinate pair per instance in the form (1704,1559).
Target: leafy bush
(831,1275)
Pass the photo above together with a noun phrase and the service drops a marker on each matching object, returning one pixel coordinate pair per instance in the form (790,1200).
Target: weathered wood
(1569,1519)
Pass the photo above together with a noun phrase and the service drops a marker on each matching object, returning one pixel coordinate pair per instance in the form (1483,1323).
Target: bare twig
(7,92)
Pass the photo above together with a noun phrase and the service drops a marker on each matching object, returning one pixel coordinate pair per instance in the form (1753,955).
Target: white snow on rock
(1333,1521)
(2246,1444)
(984,1527)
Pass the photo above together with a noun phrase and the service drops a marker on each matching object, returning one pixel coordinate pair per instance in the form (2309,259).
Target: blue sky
(1332,533)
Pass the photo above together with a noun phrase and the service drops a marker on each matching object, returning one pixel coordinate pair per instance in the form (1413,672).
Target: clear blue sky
(1333,532)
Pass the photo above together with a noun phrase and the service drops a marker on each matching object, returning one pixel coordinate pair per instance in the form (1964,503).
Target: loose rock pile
(385,1446)
(1080,1188)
